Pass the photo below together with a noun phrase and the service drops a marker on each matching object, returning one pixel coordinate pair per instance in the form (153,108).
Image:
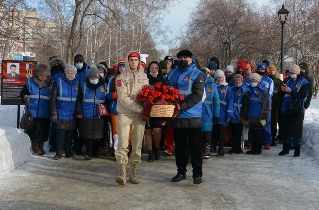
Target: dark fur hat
(42,69)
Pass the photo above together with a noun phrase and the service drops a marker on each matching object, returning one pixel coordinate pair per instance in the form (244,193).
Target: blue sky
(179,14)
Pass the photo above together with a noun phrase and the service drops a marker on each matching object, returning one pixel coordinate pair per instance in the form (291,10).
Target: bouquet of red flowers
(159,100)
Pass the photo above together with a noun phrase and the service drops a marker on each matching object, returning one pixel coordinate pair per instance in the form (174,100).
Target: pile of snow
(310,137)
(14,148)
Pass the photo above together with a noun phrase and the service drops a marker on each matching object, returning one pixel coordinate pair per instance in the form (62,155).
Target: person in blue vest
(91,125)
(239,90)
(296,88)
(82,68)
(255,109)
(36,93)
(187,123)
(63,97)
(57,66)
(268,83)
(210,111)
(226,109)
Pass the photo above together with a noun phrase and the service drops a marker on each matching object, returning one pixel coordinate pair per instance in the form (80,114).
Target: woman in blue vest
(63,97)
(36,92)
(296,88)
(255,112)
(238,91)
(92,92)
(226,108)
(210,111)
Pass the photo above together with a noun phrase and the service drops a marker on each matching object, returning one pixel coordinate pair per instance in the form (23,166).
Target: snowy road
(232,182)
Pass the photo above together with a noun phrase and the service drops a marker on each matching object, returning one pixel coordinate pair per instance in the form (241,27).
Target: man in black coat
(187,125)
(304,71)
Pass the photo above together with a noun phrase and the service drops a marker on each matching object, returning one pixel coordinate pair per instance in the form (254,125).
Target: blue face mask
(254,84)
(94,81)
(79,65)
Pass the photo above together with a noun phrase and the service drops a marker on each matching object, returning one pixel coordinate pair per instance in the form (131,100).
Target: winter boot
(297,151)
(121,179)
(58,156)
(150,156)
(285,150)
(220,152)
(156,153)
(40,145)
(35,147)
(206,152)
(133,177)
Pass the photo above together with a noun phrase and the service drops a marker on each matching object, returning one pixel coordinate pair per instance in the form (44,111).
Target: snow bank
(14,148)
(310,137)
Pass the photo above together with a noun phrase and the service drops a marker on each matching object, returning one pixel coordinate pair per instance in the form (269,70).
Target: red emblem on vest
(102,90)
(76,87)
(298,85)
(239,93)
(210,90)
(119,83)
(186,78)
(257,91)
(223,91)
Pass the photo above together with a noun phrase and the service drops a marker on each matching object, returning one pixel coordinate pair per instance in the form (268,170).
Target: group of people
(63,100)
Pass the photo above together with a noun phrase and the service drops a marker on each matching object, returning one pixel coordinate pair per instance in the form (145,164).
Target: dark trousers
(52,137)
(256,136)
(40,130)
(236,129)
(92,146)
(207,135)
(64,140)
(188,139)
(221,136)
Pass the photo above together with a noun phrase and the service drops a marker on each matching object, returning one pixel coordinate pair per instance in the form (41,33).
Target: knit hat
(238,76)
(42,69)
(262,66)
(266,62)
(304,65)
(216,60)
(115,66)
(93,73)
(163,64)
(255,76)
(252,67)
(134,54)
(101,66)
(185,53)
(212,65)
(110,72)
(272,67)
(219,73)
(70,68)
(105,64)
(168,58)
(294,68)
(78,57)
(229,68)
(121,62)
(242,64)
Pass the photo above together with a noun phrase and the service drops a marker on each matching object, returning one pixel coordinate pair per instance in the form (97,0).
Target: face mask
(94,81)
(79,65)
(293,76)
(254,84)
(182,64)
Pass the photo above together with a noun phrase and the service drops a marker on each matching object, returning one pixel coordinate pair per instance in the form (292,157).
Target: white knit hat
(229,68)
(255,76)
(219,73)
(294,68)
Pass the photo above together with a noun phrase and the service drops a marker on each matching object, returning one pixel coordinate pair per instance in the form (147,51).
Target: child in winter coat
(226,108)
(210,111)
(255,112)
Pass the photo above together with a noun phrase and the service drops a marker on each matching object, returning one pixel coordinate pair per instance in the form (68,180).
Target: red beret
(134,54)
(242,64)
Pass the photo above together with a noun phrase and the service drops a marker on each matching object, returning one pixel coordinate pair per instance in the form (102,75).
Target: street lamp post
(283,16)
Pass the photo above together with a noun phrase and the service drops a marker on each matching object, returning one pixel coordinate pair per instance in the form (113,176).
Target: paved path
(232,182)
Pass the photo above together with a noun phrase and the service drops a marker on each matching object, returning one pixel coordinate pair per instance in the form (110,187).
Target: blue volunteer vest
(208,109)
(66,99)
(39,105)
(237,100)
(255,106)
(89,102)
(294,86)
(183,81)
(224,92)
